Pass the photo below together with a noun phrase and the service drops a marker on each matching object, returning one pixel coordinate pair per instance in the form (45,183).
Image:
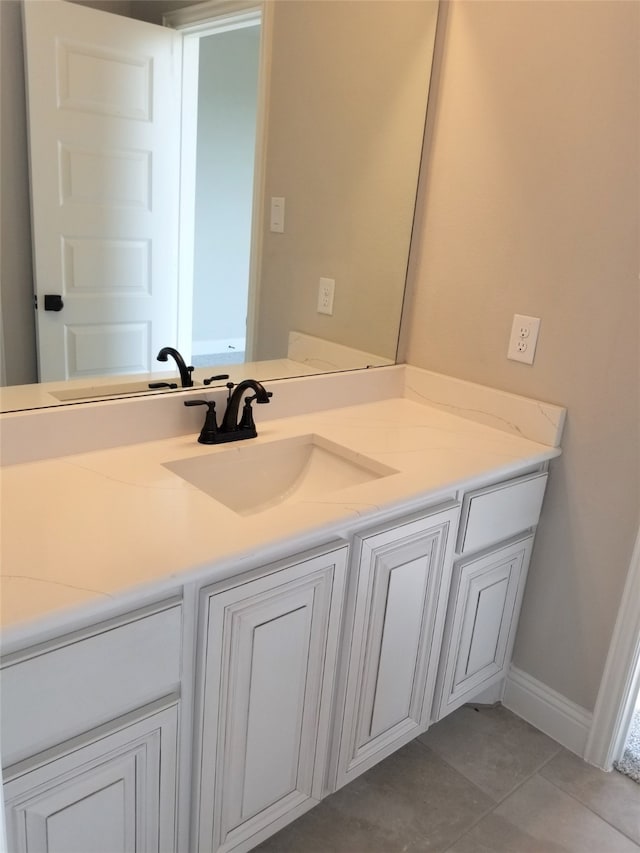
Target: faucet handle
(218,378)
(209,432)
(246,421)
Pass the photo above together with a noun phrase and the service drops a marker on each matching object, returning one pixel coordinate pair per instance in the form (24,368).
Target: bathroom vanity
(181,674)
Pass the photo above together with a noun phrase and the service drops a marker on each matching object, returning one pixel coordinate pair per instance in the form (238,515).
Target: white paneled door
(104,136)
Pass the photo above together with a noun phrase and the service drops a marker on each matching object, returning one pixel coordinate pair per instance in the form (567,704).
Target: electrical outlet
(524,337)
(326,290)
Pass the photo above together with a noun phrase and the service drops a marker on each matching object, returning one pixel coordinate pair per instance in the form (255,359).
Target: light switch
(277,214)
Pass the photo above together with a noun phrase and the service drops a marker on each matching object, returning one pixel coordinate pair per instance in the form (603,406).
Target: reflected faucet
(185,372)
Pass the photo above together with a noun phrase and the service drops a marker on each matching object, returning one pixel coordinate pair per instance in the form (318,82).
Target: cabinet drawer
(88,679)
(500,511)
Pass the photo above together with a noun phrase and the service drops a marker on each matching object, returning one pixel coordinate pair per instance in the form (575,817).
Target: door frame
(621,678)
(208,17)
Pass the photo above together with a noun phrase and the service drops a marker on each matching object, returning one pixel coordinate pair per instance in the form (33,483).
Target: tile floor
(480,781)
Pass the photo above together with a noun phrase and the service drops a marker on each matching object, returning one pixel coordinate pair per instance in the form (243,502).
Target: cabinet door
(270,649)
(402,581)
(486,594)
(114,795)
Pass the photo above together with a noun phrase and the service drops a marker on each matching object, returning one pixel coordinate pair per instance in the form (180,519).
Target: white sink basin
(253,478)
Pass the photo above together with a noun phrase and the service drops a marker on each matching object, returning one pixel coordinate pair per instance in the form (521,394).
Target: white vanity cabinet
(90,737)
(495,540)
(266,671)
(301,674)
(400,584)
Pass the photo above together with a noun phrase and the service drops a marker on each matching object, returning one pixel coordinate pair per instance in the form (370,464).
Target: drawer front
(498,512)
(88,680)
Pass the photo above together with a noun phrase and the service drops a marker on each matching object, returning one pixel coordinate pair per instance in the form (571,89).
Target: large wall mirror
(262,225)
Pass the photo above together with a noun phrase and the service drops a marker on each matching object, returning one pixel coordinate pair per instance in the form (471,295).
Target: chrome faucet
(185,372)
(231,429)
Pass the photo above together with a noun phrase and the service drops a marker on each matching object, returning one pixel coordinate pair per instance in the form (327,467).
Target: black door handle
(53,302)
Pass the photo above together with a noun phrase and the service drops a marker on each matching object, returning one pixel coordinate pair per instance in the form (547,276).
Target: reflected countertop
(15,398)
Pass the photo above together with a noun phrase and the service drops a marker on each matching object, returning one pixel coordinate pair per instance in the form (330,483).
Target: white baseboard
(547,710)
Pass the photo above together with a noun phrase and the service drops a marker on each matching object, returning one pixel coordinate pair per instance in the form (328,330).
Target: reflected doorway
(221,68)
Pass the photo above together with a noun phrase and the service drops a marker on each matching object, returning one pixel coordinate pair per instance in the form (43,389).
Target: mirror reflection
(276,230)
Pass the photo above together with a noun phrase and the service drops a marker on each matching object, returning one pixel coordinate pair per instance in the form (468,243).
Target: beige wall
(529,204)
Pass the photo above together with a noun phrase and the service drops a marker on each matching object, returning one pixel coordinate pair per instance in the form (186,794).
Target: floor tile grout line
(520,785)
(491,810)
(499,802)
(537,769)
(533,773)
(593,812)
(477,787)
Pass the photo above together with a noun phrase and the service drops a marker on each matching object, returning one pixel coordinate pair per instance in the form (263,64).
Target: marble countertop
(91,527)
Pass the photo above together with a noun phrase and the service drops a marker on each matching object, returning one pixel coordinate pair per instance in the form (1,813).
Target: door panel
(483,622)
(277,654)
(405,590)
(104,123)
(95,814)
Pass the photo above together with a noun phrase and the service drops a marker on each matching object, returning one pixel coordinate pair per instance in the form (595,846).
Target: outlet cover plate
(524,337)
(326,289)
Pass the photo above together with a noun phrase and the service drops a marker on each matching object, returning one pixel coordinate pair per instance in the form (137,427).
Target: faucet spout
(185,372)
(230,418)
